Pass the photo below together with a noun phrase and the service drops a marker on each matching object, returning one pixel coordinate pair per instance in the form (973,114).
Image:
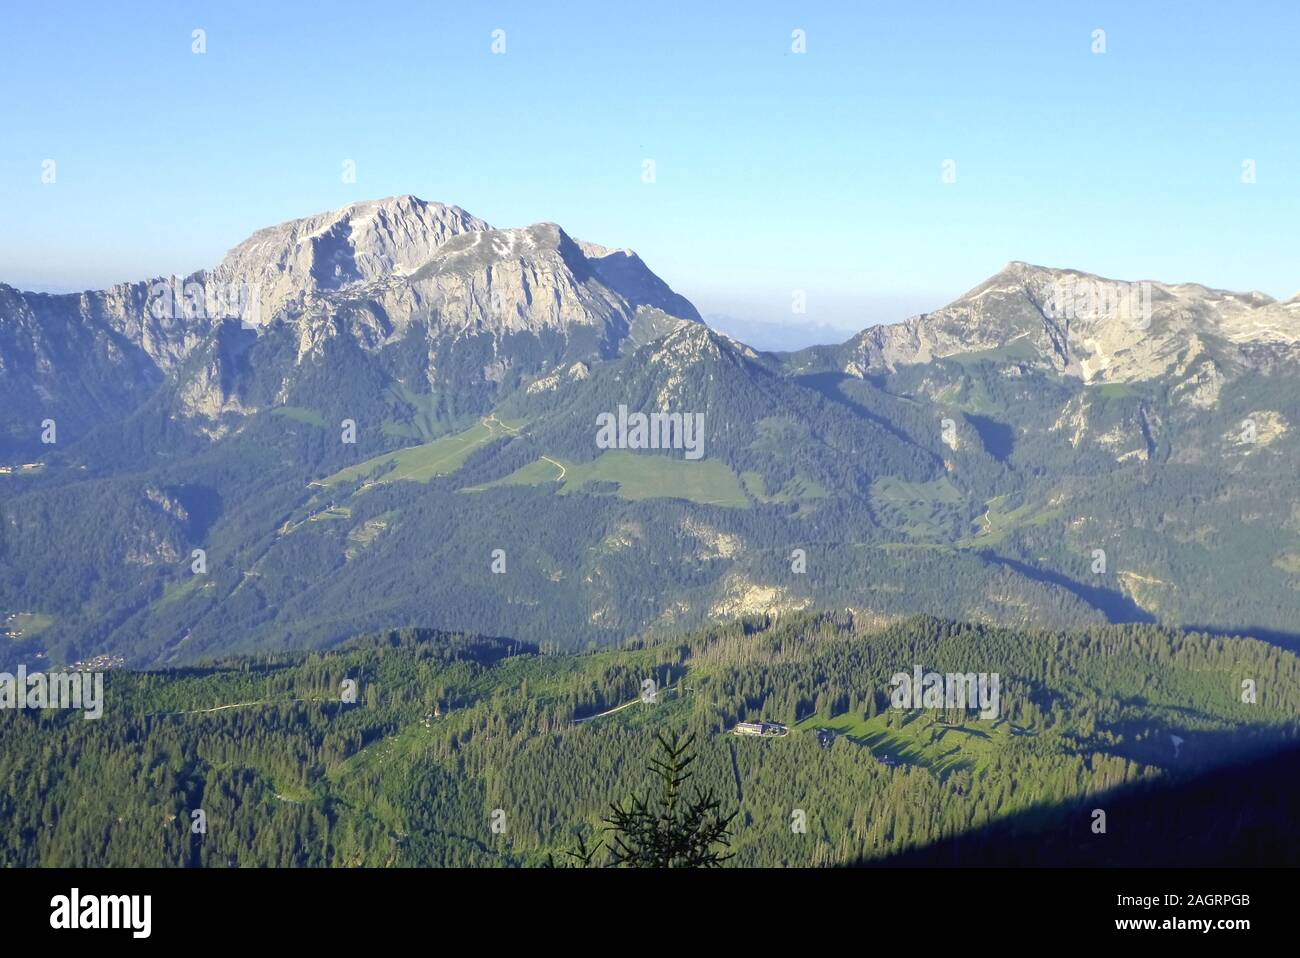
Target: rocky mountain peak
(1084,325)
(423,286)
(362,241)
(692,343)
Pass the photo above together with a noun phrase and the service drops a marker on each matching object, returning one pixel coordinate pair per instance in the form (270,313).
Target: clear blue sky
(775,171)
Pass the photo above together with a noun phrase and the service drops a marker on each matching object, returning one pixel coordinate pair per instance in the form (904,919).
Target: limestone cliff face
(376,273)
(442,301)
(1096,329)
(296,261)
(394,264)
(79,358)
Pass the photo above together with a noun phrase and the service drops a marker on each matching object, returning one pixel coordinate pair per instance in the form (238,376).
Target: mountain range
(385,416)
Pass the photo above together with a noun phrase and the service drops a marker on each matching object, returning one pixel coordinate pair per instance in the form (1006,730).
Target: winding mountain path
(560,466)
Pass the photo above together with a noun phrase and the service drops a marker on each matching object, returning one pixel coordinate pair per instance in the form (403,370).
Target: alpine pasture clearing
(427,461)
(638,476)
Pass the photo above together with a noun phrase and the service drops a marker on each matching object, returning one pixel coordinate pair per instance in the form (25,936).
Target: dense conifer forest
(453,749)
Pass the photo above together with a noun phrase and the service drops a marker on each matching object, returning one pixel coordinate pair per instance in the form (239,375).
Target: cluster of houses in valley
(100,663)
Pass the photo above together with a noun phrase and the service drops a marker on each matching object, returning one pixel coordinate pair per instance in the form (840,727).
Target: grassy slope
(428,460)
(28,624)
(706,481)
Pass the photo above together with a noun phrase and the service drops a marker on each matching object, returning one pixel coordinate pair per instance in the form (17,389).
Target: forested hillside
(814,491)
(460,750)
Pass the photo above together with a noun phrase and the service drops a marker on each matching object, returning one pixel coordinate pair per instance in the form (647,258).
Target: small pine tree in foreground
(669,831)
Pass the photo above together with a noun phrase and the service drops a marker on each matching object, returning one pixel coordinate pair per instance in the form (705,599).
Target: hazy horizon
(774,170)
